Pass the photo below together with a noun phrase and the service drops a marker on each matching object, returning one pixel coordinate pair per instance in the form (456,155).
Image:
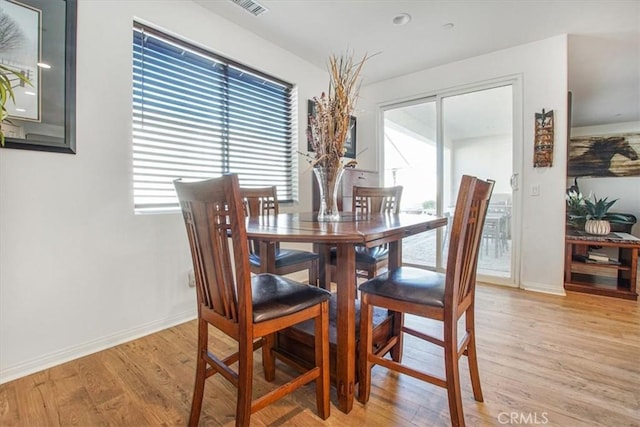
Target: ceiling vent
(251,6)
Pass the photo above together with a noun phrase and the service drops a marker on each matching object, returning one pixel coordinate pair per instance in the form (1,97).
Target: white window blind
(197,115)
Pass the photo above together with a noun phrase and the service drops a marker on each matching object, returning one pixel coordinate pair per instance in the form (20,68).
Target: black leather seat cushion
(409,284)
(286,257)
(366,255)
(379,316)
(276,296)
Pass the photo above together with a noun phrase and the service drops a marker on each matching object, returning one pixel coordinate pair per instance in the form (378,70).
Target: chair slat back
(466,234)
(260,202)
(376,199)
(214,217)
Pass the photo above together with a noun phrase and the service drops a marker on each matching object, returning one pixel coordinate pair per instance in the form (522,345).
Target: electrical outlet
(535,190)
(192,279)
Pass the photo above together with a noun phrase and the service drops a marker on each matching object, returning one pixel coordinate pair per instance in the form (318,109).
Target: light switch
(535,190)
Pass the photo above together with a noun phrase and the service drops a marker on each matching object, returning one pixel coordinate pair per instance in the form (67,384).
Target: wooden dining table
(368,230)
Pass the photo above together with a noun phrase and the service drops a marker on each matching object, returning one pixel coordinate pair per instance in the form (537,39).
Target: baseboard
(545,288)
(74,352)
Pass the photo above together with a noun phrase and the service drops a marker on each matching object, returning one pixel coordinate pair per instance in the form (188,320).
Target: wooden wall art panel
(543,142)
(604,155)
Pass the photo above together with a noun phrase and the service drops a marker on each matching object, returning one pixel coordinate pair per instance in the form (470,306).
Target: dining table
(345,234)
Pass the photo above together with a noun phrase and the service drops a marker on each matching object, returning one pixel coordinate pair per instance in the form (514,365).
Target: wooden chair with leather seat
(263,201)
(368,200)
(444,297)
(248,309)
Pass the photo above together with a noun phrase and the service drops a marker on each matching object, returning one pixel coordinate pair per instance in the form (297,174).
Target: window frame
(229,138)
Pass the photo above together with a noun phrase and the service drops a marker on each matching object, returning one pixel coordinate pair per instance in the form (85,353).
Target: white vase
(597,226)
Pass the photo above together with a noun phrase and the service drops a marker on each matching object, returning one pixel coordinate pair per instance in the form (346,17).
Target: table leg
(267,257)
(395,254)
(568,257)
(395,261)
(324,267)
(346,324)
(633,271)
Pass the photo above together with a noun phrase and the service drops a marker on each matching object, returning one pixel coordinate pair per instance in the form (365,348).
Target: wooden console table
(614,280)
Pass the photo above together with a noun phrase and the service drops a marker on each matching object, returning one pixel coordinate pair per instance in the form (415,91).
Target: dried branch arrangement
(330,125)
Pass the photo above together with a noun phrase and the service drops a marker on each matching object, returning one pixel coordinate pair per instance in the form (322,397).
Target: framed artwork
(311,111)
(350,143)
(43,47)
(20,50)
(604,155)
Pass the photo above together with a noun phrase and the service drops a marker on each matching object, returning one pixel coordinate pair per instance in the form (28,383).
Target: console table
(611,279)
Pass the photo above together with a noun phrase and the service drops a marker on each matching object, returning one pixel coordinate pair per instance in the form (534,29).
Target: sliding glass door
(429,144)
(410,159)
(478,137)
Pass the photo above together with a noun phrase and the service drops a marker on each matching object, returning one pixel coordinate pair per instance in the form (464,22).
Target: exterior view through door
(475,137)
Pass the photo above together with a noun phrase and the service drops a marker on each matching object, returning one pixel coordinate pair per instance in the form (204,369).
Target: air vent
(251,6)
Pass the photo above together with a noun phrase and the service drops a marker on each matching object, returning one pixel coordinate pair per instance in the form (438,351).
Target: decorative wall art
(604,155)
(20,50)
(543,142)
(42,45)
(349,144)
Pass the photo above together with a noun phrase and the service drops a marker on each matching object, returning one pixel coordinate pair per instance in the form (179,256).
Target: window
(197,115)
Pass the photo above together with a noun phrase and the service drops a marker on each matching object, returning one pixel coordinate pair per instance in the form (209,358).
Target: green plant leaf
(6,92)
(597,208)
(618,218)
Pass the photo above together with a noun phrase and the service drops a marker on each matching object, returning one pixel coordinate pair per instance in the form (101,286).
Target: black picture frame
(350,143)
(311,111)
(56,131)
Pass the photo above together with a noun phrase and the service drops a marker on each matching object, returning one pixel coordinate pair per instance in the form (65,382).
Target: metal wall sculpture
(543,143)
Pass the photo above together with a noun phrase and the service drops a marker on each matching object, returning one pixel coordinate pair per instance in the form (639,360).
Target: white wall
(625,189)
(78,270)
(542,68)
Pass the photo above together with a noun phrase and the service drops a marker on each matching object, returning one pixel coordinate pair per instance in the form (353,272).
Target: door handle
(514,181)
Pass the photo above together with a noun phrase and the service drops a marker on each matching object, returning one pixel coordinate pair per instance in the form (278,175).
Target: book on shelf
(627,236)
(586,259)
(610,262)
(598,256)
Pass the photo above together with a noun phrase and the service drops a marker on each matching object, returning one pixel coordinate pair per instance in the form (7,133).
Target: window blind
(197,115)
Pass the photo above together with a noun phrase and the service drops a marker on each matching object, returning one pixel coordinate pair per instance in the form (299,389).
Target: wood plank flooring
(544,360)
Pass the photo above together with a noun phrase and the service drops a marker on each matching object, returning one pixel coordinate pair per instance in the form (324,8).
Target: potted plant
(7,75)
(576,210)
(597,216)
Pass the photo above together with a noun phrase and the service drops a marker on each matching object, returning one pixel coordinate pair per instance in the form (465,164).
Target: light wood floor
(544,360)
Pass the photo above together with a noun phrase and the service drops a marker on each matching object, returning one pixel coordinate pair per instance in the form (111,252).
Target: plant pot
(597,226)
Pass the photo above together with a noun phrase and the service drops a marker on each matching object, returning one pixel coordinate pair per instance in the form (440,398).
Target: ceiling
(604,42)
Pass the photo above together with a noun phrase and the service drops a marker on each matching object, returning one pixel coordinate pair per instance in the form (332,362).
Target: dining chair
(367,200)
(263,201)
(441,296)
(248,309)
